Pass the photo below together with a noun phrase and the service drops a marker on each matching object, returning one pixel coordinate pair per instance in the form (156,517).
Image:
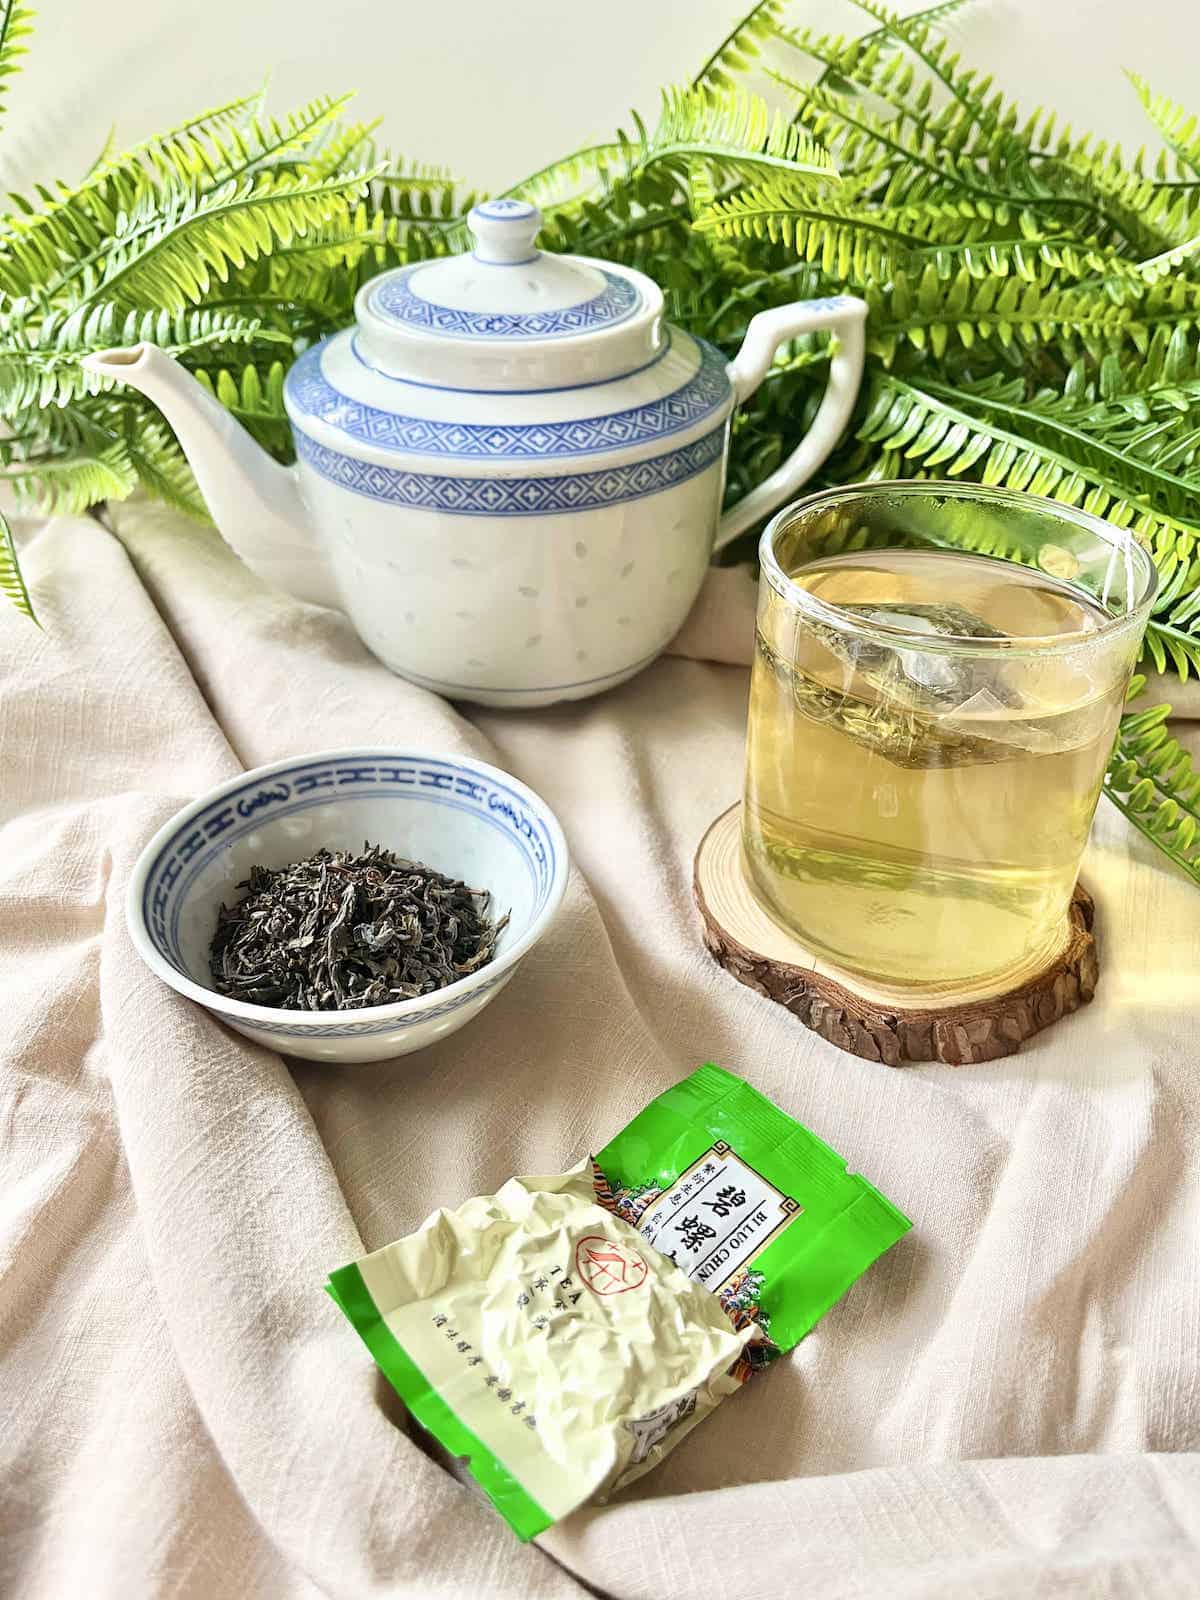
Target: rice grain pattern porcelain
(510,470)
(462,816)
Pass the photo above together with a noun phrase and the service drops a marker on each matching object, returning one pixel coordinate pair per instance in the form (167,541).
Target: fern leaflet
(1152,780)
(12,584)
(740,46)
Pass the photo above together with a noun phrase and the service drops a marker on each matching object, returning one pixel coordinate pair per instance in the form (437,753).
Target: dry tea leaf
(337,932)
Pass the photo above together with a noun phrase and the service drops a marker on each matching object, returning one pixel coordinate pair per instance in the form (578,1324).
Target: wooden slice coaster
(978,1022)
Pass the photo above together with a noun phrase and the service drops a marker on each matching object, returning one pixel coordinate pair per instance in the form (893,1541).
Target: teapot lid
(508,316)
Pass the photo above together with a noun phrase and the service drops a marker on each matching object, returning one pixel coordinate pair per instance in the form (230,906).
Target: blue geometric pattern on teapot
(513,497)
(311,392)
(395,300)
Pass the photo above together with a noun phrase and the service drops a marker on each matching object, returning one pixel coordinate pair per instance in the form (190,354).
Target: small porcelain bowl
(463,817)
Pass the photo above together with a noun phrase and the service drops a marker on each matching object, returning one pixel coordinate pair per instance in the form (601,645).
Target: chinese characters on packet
(564,1291)
(554,1290)
(492,1381)
(694,1231)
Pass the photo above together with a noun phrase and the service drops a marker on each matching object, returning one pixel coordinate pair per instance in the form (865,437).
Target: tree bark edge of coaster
(881,1024)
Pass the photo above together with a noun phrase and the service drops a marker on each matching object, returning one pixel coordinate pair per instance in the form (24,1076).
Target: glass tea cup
(929,728)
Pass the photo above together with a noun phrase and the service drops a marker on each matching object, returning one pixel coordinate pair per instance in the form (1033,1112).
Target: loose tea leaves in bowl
(336,932)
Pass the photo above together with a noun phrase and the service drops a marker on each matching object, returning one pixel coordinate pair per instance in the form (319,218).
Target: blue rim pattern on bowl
(299,787)
(356,1030)
(699,396)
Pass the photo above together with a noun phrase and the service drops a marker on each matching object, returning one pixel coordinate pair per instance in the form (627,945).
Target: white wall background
(494,89)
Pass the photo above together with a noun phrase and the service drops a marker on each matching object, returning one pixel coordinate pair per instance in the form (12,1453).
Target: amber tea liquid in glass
(918,815)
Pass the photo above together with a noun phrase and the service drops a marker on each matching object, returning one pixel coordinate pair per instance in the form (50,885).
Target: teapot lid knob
(504,231)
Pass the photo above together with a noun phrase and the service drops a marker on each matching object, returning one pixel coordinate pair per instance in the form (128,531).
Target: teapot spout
(254,501)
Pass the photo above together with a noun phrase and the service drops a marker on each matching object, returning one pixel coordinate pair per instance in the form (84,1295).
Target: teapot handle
(841,314)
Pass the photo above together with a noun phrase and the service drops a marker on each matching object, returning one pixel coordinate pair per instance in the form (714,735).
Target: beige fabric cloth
(1003,1406)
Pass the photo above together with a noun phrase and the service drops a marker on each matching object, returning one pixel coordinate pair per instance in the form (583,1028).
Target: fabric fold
(186,1412)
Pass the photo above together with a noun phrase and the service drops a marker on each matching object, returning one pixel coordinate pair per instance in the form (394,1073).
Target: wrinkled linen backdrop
(1007,1404)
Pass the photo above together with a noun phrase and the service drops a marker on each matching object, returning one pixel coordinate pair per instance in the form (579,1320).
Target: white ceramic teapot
(510,469)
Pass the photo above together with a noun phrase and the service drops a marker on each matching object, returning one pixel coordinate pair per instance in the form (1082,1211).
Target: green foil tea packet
(562,1336)
(746,1201)
(537,1337)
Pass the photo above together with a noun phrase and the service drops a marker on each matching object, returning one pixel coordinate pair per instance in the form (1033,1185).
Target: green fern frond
(863,243)
(950,150)
(929,17)
(1173,633)
(251,394)
(968,89)
(868,65)
(1166,261)
(849,66)
(1150,217)
(160,464)
(854,245)
(12,583)
(923,154)
(64,485)
(561,181)
(209,121)
(414,189)
(342,147)
(172,260)
(120,429)
(985,430)
(315,268)
(1033,256)
(223,154)
(740,46)
(208,158)
(836,53)
(1112,450)
(928,434)
(1152,780)
(44,367)
(1168,364)
(733,129)
(1167,216)
(46,239)
(1172,649)
(254,397)
(140,158)
(1180,129)
(16,24)
(1011,314)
